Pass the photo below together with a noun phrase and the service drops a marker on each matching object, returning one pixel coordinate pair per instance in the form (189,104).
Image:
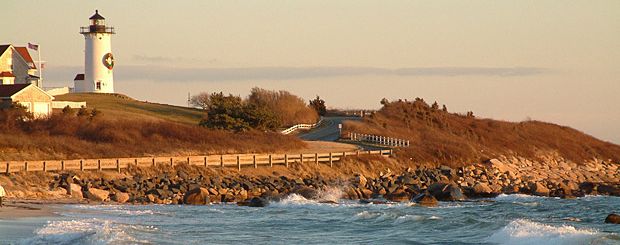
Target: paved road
(328,131)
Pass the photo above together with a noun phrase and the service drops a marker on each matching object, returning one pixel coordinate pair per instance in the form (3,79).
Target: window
(98,85)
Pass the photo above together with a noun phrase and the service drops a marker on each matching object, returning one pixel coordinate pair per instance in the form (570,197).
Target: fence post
(171,162)
(188,163)
(254,161)
(331,161)
(238,163)
(8,168)
(62,165)
(357,153)
(135,161)
(222,161)
(206,165)
(44,167)
(286,160)
(270,161)
(118,166)
(98,165)
(26,166)
(153,163)
(316,158)
(81,165)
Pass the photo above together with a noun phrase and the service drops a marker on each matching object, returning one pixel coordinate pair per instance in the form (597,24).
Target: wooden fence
(235,160)
(379,140)
(301,126)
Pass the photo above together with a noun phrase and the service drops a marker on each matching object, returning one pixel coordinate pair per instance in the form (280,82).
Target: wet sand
(19,208)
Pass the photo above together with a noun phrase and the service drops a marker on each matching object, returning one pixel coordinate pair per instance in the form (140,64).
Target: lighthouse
(98,59)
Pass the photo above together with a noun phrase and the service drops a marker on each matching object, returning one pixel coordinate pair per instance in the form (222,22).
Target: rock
(608,190)
(539,189)
(120,197)
(75,191)
(306,192)
(613,219)
(482,190)
(97,194)
(398,196)
(258,202)
(361,181)
(197,196)
(587,187)
(426,200)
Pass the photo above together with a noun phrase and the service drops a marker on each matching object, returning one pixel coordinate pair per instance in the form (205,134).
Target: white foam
(87,231)
(523,231)
(408,217)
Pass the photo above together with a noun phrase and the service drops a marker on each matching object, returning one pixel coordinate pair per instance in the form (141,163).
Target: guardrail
(231,160)
(301,126)
(378,139)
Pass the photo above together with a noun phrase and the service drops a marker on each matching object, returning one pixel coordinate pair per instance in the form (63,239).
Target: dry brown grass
(448,138)
(68,136)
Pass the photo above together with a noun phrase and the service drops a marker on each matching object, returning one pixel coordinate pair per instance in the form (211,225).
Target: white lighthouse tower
(98,59)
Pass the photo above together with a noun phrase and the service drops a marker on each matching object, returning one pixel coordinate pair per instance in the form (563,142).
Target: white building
(17,66)
(98,60)
(36,101)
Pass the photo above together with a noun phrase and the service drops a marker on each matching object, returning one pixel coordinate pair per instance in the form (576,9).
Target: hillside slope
(438,136)
(122,106)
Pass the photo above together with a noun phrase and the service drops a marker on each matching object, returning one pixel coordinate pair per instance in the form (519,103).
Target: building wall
(96,46)
(20,69)
(37,102)
(6,60)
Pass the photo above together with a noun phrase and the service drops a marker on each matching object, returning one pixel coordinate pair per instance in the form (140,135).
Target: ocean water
(507,219)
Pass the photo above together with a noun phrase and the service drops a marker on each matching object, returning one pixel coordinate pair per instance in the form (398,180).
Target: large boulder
(75,191)
(258,202)
(482,190)
(613,219)
(446,192)
(539,189)
(360,181)
(425,199)
(97,194)
(398,196)
(120,197)
(306,192)
(608,190)
(197,196)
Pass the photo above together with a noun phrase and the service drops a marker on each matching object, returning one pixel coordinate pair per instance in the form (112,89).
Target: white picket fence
(379,140)
(301,126)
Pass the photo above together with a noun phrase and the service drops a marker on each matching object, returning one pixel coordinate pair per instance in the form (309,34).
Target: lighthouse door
(98,85)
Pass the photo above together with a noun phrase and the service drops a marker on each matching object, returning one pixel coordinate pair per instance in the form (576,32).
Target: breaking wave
(88,231)
(523,231)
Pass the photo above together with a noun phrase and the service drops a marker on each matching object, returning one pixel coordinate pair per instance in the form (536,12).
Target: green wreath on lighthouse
(108,61)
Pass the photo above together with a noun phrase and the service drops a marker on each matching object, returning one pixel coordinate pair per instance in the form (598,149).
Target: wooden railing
(301,126)
(379,140)
(233,160)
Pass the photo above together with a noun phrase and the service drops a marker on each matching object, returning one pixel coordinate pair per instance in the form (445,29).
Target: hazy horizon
(504,60)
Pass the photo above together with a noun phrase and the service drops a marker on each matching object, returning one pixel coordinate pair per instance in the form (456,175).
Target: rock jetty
(422,185)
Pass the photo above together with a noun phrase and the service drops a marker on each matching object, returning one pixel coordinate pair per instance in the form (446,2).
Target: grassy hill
(122,106)
(438,136)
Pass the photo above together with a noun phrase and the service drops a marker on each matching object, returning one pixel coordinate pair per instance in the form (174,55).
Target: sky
(510,60)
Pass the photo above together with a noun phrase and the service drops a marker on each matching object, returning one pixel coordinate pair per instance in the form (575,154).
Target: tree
(200,100)
(95,113)
(435,106)
(67,110)
(13,116)
(82,112)
(384,101)
(318,105)
(229,112)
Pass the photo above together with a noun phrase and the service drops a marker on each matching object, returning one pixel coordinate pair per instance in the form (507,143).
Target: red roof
(23,51)
(11,89)
(78,77)
(6,74)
